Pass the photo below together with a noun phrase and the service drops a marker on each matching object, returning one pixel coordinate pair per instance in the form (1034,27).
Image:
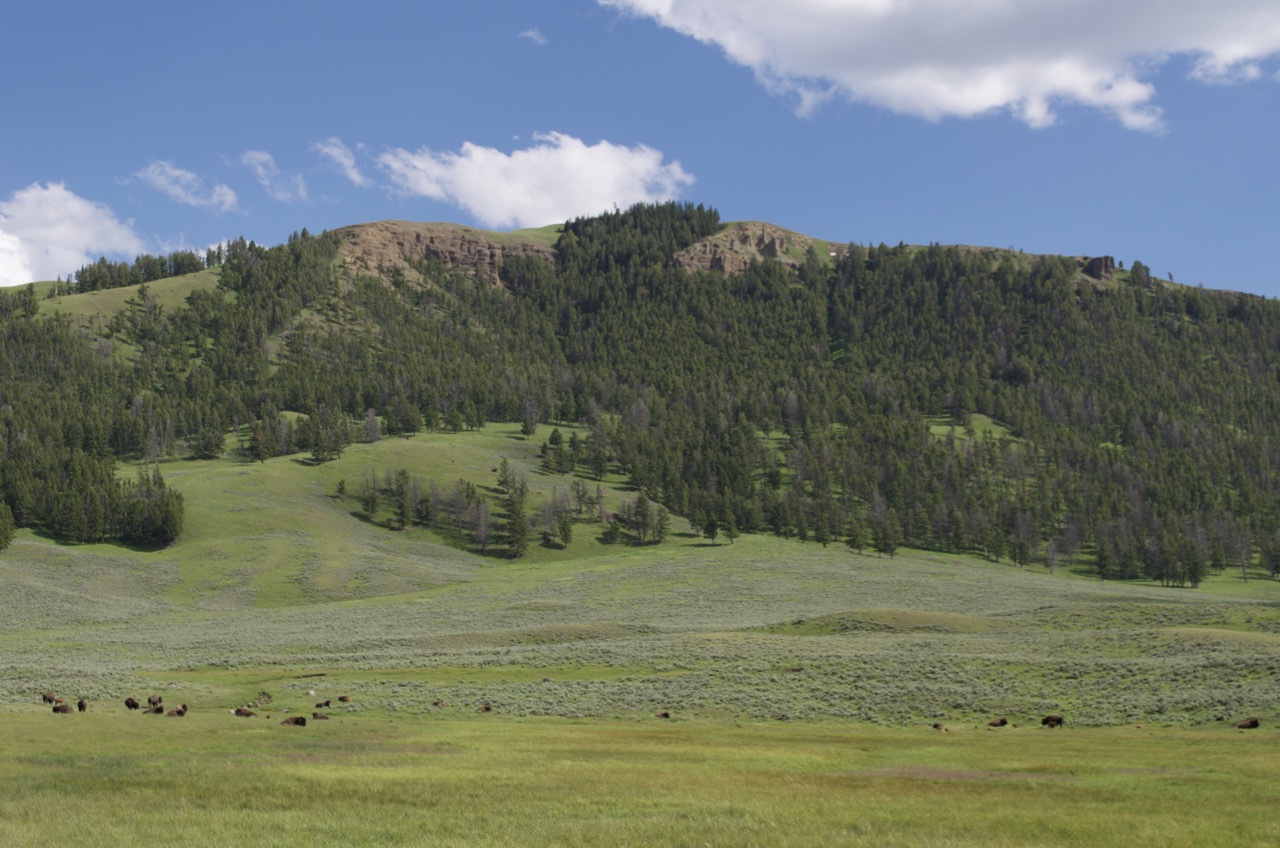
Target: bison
(158,709)
(245,712)
(49,697)
(346,699)
(295,721)
(324,704)
(997,722)
(663,714)
(131,703)
(319,716)
(82,705)
(1052,721)
(1247,724)
(155,700)
(177,712)
(65,709)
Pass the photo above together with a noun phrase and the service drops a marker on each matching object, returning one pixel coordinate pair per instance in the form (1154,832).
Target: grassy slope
(280,586)
(277,574)
(170,293)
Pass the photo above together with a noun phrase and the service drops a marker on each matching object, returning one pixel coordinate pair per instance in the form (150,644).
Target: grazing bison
(940,727)
(155,700)
(1052,721)
(346,699)
(324,704)
(997,722)
(245,712)
(664,714)
(82,705)
(49,697)
(131,703)
(483,708)
(319,716)
(1247,724)
(64,709)
(295,721)
(177,712)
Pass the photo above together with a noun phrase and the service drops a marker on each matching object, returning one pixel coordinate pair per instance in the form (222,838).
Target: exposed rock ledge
(385,245)
(743,242)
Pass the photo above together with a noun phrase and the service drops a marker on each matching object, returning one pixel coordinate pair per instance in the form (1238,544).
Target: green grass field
(801,683)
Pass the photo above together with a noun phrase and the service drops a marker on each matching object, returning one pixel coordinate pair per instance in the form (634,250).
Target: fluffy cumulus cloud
(343,158)
(558,178)
(941,58)
(47,231)
(279,186)
(186,187)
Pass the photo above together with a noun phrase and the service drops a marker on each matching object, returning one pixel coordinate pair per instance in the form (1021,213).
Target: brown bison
(664,714)
(49,697)
(177,712)
(997,722)
(319,716)
(158,709)
(65,709)
(324,704)
(1052,721)
(1247,724)
(439,703)
(245,712)
(131,703)
(82,705)
(295,721)
(346,699)
(155,700)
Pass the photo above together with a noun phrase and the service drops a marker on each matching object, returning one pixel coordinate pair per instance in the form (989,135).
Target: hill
(1036,408)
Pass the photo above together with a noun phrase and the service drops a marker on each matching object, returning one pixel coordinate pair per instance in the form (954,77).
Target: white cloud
(186,187)
(558,178)
(47,231)
(342,156)
(279,186)
(534,35)
(942,58)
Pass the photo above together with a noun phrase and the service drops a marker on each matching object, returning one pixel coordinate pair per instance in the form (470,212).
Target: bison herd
(155,706)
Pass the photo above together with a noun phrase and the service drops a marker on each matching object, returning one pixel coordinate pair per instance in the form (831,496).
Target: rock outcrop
(382,247)
(744,242)
(1100,267)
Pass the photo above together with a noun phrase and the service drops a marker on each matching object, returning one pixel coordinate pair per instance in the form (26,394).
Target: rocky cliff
(380,248)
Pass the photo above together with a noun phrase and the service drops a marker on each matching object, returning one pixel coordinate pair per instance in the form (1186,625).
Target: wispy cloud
(558,178)
(47,231)
(534,35)
(937,60)
(186,187)
(344,158)
(279,186)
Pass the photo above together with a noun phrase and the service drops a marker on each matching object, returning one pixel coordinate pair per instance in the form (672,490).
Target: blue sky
(1143,129)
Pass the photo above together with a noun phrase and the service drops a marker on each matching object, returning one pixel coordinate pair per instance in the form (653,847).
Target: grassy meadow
(801,683)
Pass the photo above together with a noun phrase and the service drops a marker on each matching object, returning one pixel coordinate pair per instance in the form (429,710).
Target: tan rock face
(381,247)
(742,243)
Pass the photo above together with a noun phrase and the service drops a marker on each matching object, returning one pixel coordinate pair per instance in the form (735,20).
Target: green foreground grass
(110,778)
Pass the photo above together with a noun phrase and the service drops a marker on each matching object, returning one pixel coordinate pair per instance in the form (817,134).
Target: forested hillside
(942,397)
